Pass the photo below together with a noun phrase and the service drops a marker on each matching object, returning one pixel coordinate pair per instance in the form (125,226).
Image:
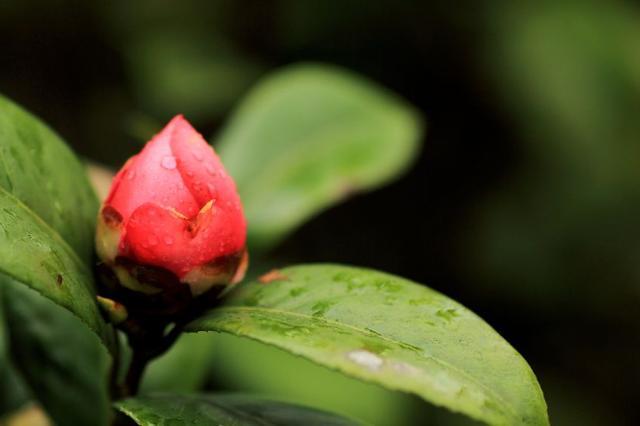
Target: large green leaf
(47,215)
(307,137)
(222,409)
(234,368)
(42,172)
(388,330)
(32,253)
(62,361)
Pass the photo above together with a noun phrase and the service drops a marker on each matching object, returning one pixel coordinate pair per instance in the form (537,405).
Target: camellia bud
(173,218)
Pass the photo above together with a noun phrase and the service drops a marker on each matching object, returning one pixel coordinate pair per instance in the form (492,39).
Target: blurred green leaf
(390,331)
(221,409)
(309,136)
(569,78)
(168,373)
(62,362)
(192,72)
(14,393)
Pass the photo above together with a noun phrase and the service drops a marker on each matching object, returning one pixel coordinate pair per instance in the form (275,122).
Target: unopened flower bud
(172,208)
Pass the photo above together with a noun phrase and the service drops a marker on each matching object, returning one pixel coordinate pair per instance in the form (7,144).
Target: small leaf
(47,216)
(62,362)
(222,409)
(309,136)
(388,330)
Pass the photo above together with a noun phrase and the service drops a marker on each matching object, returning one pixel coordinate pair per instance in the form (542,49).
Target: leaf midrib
(508,409)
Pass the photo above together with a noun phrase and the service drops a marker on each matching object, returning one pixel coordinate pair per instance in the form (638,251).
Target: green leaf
(42,172)
(221,409)
(234,368)
(307,137)
(33,254)
(61,361)
(195,72)
(13,391)
(47,216)
(387,330)
(168,373)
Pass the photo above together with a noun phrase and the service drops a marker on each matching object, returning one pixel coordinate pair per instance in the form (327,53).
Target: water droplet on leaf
(366,359)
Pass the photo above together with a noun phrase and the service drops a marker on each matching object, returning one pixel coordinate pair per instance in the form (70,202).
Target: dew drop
(211,187)
(189,173)
(169,162)
(211,170)
(130,174)
(197,155)
(153,240)
(168,240)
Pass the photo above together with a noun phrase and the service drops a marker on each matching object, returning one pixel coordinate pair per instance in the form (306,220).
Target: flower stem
(147,343)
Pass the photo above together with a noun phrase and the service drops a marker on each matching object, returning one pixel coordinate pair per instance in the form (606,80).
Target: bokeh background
(524,203)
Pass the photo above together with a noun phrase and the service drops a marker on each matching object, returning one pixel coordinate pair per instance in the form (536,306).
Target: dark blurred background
(524,204)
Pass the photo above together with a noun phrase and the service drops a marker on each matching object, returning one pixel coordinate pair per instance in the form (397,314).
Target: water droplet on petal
(211,187)
(168,240)
(210,169)
(153,240)
(130,174)
(169,162)
(197,155)
(189,173)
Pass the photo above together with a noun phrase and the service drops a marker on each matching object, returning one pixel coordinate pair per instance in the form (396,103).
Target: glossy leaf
(47,215)
(234,368)
(309,136)
(62,362)
(42,172)
(33,254)
(221,409)
(388,330)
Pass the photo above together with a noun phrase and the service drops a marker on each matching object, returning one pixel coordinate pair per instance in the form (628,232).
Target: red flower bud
(174,207)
